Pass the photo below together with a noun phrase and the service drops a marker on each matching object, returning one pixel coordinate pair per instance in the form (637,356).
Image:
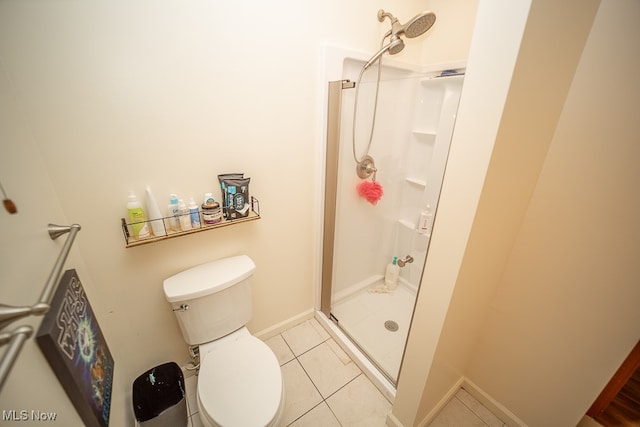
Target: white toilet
(240,382)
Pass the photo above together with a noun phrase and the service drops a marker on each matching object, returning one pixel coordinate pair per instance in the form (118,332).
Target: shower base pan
(378,323)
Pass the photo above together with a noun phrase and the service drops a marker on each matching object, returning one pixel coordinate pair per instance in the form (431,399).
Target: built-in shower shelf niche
(416,181)
(442,80)
(426,136)
(412,226)
(132,241)
(407,224)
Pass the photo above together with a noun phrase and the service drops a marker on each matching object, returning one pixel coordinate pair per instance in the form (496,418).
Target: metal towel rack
(8,314)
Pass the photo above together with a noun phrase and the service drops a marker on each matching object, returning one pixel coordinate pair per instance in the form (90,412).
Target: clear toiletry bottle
(138,219)
(195,215)
(392,274)
(174,213)
(185,216)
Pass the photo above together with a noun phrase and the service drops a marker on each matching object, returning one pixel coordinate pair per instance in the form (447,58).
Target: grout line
(324,400)
(471,410)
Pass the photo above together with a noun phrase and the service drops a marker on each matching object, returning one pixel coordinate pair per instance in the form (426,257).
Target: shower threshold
(393,381)
(371,371)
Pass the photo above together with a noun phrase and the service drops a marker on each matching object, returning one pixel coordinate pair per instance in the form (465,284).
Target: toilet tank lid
(208,278)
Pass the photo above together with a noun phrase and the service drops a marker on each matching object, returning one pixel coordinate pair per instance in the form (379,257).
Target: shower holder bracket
(348,84)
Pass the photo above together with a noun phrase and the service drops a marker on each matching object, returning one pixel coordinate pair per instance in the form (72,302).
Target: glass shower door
(414,123)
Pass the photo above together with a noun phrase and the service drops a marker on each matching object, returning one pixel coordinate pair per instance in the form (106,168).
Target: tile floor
(324,387)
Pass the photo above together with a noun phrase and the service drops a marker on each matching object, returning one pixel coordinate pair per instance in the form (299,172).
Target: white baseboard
(493,405)
(392,421)
(274,330)
(442,403)
(480,395)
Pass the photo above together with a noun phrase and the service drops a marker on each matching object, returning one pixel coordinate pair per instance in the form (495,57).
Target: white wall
(544,305)
(565,312)
(112,96)
(27,256)
(492,58)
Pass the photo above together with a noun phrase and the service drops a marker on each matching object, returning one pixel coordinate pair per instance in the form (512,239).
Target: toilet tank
(213,299)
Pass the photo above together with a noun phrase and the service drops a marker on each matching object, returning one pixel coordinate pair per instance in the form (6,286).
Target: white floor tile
(359,403)
(300,393)
(280,349)
(328,367)
(319,329)
(456,414)
(315,368)
(587,421)
(320,416)
(303,337)
(477,408)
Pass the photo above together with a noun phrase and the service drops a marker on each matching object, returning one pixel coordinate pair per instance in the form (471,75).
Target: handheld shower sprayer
(395,46)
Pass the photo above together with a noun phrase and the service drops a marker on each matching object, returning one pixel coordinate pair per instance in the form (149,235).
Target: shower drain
(390,325)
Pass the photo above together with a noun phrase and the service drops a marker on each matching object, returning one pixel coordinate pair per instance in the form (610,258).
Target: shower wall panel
(366,235)
(414,123)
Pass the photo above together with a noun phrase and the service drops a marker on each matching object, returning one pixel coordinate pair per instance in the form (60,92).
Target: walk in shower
(415,116)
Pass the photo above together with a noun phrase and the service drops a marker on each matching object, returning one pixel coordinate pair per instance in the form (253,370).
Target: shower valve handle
(407,260)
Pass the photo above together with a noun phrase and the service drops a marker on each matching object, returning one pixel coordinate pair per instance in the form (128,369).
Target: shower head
(416,26)
(419,25)
(395,46)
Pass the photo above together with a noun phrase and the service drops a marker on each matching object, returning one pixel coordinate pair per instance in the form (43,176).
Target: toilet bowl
(239,382)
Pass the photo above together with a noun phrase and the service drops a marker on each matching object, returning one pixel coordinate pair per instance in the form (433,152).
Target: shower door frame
(334,111)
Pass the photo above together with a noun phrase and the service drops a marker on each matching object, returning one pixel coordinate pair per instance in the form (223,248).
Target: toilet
(240,381)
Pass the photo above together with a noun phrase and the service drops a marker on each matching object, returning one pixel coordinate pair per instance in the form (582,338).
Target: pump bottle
(426,221)
(137,217)
(392,274)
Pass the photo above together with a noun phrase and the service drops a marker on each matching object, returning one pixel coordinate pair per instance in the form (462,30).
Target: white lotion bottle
(392,274)
(184,215)
(426,221)
(157,225)
(137,217)
(174,213)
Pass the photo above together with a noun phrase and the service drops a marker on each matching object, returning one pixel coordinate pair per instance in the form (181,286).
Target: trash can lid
(157,390)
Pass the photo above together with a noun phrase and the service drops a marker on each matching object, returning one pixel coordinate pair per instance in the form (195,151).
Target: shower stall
(414,123)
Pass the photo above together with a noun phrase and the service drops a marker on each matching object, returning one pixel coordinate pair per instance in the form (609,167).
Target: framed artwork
(72,342)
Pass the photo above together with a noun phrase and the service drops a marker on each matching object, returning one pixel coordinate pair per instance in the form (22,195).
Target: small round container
(211,213)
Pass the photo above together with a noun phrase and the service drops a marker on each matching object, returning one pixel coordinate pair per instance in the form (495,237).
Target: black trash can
(159,397)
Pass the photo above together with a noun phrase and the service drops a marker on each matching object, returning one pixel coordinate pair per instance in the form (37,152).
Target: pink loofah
(370,190)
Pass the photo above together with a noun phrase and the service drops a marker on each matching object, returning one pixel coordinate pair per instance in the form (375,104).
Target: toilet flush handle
(183,307)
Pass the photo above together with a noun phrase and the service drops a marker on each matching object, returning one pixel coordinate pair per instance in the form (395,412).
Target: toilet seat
(240,383)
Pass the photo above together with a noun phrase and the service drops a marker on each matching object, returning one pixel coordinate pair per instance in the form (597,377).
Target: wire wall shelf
(168,232)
